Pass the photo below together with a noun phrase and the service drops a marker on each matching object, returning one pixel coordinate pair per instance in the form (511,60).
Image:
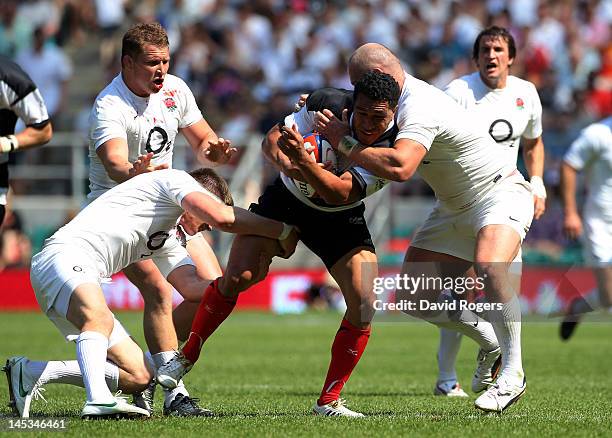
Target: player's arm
(336,190)
(271,151)
(233,219)
(114,156)
(572,224)
(32,110)
(397,163)
(30,137)
(210,150)
(533,155)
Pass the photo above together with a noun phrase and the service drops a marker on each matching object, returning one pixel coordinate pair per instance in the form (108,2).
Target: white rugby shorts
(55,273)
(597,238)
(453,232)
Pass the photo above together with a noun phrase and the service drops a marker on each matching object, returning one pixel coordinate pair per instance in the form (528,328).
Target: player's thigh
(249,261)
(427,264)
(355,274)
(87,309)
(502,218)
(150,282)
(204,258)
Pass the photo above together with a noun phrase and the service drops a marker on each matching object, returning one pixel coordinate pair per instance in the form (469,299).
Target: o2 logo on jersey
(500,130)
(157,240)
(157,140)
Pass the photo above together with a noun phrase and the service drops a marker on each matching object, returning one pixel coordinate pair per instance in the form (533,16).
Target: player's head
(494,52)
(216,185)
(145,58)
(374,104)
(374,56)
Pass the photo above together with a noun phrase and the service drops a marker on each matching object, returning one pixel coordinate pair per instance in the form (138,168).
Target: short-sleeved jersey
(507,114)
(592,152)
(133,221)
(336,100)
(19,99)
(148,124)
(462,163)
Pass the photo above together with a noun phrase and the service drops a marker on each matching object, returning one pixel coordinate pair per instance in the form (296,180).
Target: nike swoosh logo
(108,405)
(512,219)
(22,392)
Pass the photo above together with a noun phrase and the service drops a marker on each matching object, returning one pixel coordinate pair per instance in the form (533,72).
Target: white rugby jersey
(462,163)
(148,124)
(336,100)
(134,221)
(592,152)
(506,114)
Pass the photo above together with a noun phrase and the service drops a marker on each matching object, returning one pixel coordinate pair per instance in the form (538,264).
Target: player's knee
(143,377)
(238,280)
(98,319)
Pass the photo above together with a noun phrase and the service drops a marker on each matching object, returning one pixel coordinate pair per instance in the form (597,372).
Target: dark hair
(378,86)
(495,32)
(212,182)
(141,34)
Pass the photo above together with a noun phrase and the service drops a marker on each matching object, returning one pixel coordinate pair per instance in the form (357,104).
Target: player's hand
(291,143)
(331,127)
(143,165)
(572,225)
(300,103)
(220,152)
(539,207)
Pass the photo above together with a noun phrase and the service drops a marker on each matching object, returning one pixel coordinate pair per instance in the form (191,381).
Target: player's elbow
(45,134)
(401,173)
(223,219)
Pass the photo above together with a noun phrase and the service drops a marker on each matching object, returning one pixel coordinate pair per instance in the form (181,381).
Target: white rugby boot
(336,408)
(488,365)
(22,386)
(500,396)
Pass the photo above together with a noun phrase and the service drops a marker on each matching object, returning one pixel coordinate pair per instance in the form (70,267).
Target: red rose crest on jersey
(519,103)
(170,103)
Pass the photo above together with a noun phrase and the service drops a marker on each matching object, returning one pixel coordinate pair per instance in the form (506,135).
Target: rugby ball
(320,152)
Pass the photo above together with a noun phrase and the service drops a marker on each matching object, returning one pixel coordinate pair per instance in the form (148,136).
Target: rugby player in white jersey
(132,221)
(590,153)
(509,109)
(331,224)
(141,112)
(484,208)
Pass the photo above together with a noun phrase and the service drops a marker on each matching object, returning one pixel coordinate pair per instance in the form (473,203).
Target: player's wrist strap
(347,144)
(8,144)
(537,187)
(286,231)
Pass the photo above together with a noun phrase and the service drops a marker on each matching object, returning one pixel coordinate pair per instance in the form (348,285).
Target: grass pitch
(261,373)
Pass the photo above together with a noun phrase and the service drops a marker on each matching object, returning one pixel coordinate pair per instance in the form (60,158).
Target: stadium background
(247,61)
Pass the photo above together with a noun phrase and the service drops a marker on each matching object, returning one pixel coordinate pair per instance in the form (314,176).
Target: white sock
(468,323)
(91,355)
(507,325)
(450,341)
(69,372)
(158,360)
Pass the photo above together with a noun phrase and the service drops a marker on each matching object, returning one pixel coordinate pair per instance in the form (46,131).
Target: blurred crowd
(247,61)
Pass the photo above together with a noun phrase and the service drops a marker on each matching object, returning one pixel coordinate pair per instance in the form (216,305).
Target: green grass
(261,373)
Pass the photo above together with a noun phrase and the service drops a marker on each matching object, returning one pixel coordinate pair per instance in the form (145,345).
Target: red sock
(212,311)
(346,351)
